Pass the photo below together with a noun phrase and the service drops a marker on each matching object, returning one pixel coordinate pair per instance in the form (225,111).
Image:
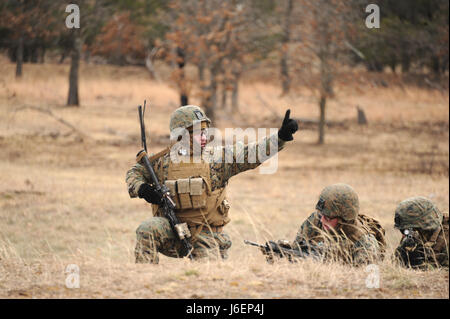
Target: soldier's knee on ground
(204,253)
(145,253)
(211,245)
(152,236)
(211,254)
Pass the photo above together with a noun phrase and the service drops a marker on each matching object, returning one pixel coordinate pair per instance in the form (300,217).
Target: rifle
(411,239)
(411,251)
(167,204)
(271,249)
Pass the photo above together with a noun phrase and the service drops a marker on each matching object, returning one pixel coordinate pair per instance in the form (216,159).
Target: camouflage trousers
(156,236)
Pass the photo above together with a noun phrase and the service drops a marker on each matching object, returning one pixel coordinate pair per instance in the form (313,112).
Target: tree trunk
(393,64)
(74,70)
(436,65)
(223,102)
(235,94)
(203,87)
(184,100)
(42,55)
(34,53)
(285,80)
(285,77)
(201,73)
(322,105)
(406,62)
(375,66)
(182,87)
(210,101)
(63,57)
(19,58)
(87,56)
(149,65)
(181,61)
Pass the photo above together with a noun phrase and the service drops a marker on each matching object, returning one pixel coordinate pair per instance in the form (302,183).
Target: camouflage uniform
(426,242)
(357,239)
(155,235)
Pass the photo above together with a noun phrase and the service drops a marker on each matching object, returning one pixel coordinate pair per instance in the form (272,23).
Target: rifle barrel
(141,119)
(247,242)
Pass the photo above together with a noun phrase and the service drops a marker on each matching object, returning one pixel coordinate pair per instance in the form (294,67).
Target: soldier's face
(328,223)
(201,138)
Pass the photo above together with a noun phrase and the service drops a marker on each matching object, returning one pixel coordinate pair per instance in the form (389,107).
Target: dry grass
(65,202)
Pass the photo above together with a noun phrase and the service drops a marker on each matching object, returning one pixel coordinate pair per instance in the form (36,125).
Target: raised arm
(241,161)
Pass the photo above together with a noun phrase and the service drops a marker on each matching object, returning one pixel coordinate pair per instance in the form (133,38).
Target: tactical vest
(197,205)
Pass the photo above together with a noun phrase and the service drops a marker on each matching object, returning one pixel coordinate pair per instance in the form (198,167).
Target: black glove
(414,258)
(150,194)
(288,128)
(411,251)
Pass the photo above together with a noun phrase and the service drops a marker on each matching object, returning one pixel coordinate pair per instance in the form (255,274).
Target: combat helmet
(339,200)
(186,116)
(418,213)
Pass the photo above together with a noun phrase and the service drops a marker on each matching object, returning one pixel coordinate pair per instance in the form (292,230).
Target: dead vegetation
(64,200)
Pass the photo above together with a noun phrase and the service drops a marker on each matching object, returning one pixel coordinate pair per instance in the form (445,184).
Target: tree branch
(57,118)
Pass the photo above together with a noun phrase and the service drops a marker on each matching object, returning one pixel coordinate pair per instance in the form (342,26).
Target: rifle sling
(157,155)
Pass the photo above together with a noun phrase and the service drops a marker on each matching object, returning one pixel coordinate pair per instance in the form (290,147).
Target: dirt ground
(63,197)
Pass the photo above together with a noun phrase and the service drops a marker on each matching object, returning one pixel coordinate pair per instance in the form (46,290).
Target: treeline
(414,36)
(225,39)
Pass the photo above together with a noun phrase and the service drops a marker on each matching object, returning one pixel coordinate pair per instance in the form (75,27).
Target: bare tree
(28,23)
(285,41)
(93,15)
(72,99)
(322,49)
(221,39)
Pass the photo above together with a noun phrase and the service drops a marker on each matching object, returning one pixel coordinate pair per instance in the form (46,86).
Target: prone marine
(337,231)
(424,229)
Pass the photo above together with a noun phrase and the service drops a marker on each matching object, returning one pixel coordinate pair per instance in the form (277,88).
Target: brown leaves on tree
(120,39)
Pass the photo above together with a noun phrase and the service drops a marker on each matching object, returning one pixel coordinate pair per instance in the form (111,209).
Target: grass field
(63,197)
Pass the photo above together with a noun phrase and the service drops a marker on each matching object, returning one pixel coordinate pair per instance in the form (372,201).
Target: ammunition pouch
(188,193)
(197,204)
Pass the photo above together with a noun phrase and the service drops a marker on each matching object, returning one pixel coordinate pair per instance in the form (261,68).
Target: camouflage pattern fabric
(417,213)
(338,200)
(186,116)
(430,248)
(221,171)
(156,236)
(339,245)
